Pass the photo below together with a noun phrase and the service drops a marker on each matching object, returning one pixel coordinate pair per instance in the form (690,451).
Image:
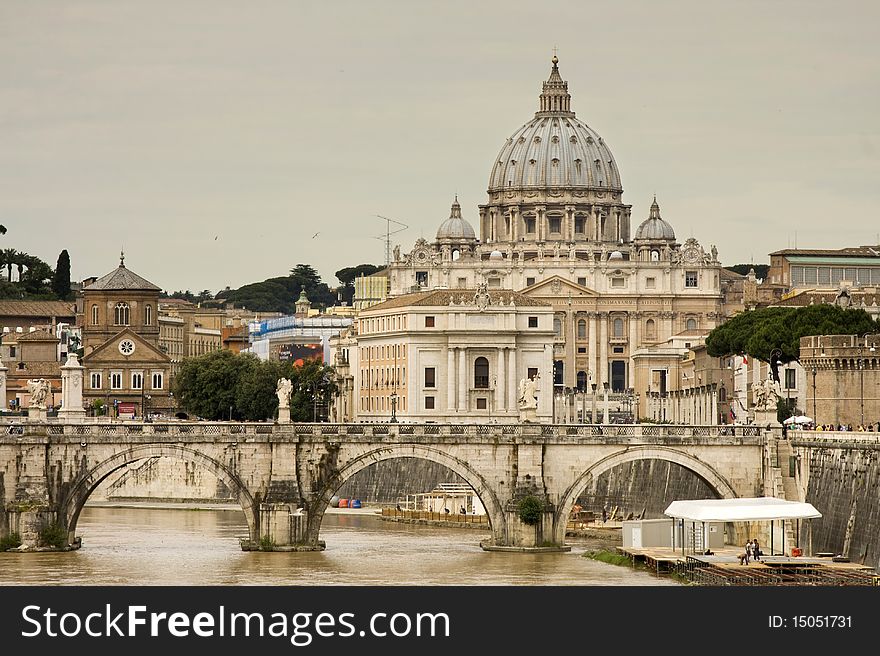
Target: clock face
(691,255)
(126,347)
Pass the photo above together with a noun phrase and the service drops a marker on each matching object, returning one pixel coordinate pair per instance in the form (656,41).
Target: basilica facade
(555,228)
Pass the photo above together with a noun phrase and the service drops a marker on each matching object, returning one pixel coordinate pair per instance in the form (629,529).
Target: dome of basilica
(455,228)
(555,149)
(654,227)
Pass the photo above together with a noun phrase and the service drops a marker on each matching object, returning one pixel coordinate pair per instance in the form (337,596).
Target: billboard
(298,354)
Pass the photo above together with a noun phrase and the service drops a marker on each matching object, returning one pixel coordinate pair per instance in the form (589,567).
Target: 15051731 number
(812,622)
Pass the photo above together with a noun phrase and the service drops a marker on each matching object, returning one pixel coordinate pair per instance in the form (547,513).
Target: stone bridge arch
(708,473)
(360,461)
(83,487)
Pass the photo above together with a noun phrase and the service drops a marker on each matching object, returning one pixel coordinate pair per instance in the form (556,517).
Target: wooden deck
(724,568)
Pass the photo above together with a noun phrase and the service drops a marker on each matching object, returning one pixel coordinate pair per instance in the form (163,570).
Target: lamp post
(593,411)
(777,354)
(147,398)
(605,403)
(171,396)
(393,407)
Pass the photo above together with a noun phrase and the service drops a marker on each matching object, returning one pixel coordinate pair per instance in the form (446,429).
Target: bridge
(284,475)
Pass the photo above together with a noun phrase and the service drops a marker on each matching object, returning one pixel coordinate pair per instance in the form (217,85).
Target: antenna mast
(387,236)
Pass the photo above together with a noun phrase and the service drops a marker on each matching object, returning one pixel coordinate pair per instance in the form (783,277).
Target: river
(186,546)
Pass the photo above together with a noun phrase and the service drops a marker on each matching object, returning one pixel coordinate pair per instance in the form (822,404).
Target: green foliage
(201,297)
(785,408)
(209,385)
(53,535)
(761,270)
(61,278)
(267,543)
(530,509)
(759,332)
(11,541)
(33,279)
(280,294)
(610,557)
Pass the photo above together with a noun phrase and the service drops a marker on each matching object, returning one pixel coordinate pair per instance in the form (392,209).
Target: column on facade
(570,378)
(592,345)
(450,379)
(633,342)
(514,223)
(715,411)
(462,381)
(512,381)
(499,382)
(603,349)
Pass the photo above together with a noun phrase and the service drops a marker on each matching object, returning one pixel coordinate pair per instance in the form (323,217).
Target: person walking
(756,550)
(748,551)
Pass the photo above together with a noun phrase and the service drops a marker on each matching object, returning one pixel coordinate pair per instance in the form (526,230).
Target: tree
(313,389)
(255,395)
(348,275)
(759,332)
(207,385)
(10,255)
(61,279)
(743,269)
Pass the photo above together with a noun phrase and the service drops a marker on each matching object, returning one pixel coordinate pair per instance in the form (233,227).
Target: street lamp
(393,407)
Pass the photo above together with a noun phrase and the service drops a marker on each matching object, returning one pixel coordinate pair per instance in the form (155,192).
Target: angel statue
(528,393)
(39,390)
(283,391)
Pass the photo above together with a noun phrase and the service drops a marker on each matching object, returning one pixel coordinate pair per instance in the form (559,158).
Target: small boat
(343,503)
(355,503)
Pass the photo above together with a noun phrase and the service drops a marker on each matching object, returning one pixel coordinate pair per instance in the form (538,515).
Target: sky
(221,143)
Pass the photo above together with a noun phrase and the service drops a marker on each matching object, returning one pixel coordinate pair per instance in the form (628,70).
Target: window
(157,380)
(579,225)
(94,315)
(533,322)
(617,327)
(137,380)
(481,373)
(116,380)
(422,278)
(530,225)
(582,349)
(122,314)
(430,377)
(530,282)
(95,379)
(429,322)
(11,351)
(555,224)
(462,283)
(481,404)
(582,282)
(618,349)
(582,380)
(650,329)
(650,283)
(690,278)
(790,379)
(618,282)
(691,324)
(557,327)
(495,283)
(148,315)
(655,256)
(429,403)
(582,329)
(532,372)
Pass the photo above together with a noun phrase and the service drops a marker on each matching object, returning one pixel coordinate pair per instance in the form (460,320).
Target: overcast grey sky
(213,139)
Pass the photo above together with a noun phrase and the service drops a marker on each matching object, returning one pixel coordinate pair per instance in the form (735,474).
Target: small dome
(615,255)
(654,227)
(496,256)
(455,228)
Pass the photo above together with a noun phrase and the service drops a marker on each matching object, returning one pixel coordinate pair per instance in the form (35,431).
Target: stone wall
(163,479)
(843,486)
(389,481)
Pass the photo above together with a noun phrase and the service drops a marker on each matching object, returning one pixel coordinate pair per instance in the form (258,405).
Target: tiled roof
(858,251)
(122,278)
(445,297)
(36,309)
(38,336)
(35,370)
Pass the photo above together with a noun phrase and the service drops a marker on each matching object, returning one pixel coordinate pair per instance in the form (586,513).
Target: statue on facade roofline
(283,390)
(38,388)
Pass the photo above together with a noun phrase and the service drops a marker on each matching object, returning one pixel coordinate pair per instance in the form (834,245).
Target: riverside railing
(401,432)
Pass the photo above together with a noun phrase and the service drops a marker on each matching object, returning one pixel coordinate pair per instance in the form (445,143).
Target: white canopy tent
(760,509)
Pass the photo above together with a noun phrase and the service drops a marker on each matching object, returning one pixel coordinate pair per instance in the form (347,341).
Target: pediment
(559,286)
(109,353)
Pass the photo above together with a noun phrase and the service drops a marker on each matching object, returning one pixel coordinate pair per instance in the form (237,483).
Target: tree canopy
(743,269)
(61,278)
(281,293)
(24,276)
(348,275)
(759,332)
(221,384)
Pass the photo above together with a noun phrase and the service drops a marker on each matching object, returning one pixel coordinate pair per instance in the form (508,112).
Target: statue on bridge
(528,393)
(766,395)
(39,391)
(283,390)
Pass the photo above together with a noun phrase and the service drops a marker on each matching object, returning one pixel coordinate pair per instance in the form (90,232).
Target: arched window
(650,329)
(148,315)
(481,373)
(618,327)
(722,395)
(655,256)
(94,315)
(691,324)
(122,314)
(557,327)
(582,380)
(582,329)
